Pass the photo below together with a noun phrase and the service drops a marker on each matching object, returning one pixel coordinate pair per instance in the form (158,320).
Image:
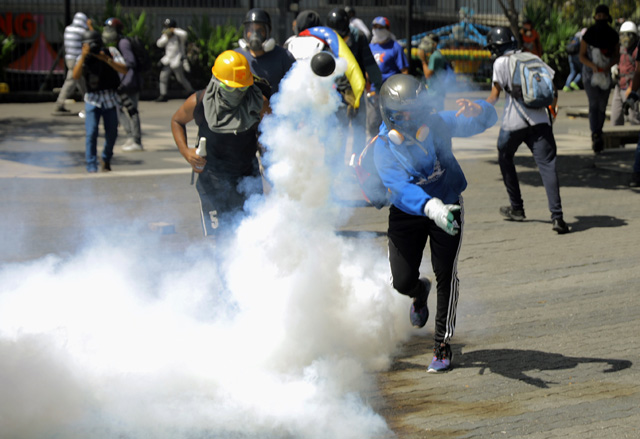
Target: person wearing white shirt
(522,124)
(173,42)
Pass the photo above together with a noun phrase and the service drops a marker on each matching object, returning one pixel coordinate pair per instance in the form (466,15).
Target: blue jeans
(91,125)
(575,70)
(598,100)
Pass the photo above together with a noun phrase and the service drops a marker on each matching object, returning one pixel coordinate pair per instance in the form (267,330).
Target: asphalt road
(547,340)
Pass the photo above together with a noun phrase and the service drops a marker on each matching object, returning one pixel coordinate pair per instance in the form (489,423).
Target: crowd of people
(402,115)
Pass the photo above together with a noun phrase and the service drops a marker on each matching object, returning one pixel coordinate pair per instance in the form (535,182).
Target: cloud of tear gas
(276,336)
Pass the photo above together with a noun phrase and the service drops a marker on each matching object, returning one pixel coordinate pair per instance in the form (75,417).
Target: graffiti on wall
(40,58)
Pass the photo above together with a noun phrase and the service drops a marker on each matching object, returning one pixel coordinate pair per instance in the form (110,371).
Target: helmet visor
(259,30)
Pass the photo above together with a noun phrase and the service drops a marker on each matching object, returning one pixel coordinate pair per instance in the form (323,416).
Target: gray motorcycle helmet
(399,94)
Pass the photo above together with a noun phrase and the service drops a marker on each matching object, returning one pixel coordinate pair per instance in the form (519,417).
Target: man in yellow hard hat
(227,114)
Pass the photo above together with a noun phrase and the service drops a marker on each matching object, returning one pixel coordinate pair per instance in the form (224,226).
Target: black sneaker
(419,312)
(597,143)
(560,226)
(161,98)
(61,111)
(512,214)
(635,180)
(106,166)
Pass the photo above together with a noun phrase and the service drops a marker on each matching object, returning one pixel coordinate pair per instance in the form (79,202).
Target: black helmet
(499,40)
(93,39)
(258,15)
(400,94)
(350,11)
(306,20)
(169,22)
(338,20)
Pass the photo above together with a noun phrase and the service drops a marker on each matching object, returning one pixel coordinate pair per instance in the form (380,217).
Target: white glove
(615,72)
(442,215)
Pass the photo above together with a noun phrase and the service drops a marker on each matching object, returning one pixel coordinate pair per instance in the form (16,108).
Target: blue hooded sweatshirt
(414,176)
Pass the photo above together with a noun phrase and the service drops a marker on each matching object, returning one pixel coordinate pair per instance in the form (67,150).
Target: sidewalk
(546,341)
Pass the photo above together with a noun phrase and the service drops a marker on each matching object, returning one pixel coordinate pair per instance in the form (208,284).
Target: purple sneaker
(420,314)
(442,357)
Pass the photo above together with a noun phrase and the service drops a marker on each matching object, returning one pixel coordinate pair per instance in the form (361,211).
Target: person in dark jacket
(266,59)
(130,84)
(227,114)
(100,68)
(599,51)
(338,20)
(414,158)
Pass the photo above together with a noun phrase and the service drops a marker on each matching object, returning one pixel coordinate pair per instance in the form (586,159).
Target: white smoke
(279,338)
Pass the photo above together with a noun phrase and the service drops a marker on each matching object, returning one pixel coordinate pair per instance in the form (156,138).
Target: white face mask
(381,34)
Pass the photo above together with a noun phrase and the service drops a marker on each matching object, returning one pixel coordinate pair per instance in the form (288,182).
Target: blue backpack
(532,83)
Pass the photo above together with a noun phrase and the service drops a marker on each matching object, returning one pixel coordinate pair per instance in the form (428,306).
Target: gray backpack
(531,80)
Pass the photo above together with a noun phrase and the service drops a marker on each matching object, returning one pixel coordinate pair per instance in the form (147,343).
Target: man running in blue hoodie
(415,162)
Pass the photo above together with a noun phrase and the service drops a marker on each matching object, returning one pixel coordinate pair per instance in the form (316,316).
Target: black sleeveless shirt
(229,155)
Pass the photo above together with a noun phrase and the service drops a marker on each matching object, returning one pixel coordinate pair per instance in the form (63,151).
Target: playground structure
(462,43)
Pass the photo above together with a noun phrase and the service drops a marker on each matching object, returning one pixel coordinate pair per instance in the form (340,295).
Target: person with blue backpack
(414,159)
(528,115)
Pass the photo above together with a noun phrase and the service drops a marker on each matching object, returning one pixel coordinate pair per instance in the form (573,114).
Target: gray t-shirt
(514,118)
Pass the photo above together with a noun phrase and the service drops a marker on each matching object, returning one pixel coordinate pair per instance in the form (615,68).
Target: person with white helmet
(629,104)
(623,72)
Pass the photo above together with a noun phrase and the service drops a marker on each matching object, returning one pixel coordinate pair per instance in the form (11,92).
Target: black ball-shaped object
(323,64)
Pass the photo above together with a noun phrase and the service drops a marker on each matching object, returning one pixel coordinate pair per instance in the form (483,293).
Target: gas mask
(109,36)
(402,123)
(256,37)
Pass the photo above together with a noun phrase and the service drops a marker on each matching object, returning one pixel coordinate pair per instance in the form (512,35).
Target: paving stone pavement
(547,340)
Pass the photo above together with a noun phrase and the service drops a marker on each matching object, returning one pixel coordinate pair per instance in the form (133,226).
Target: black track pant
(540,140)
(408,235)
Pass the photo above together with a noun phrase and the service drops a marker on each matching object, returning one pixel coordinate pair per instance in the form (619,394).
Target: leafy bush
(206,42)
(555,32)
(7,44)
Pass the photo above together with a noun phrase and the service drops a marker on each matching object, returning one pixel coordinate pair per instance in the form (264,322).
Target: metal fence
(37,63)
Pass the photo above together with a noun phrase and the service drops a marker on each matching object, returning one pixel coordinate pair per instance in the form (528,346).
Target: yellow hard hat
(232,69)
